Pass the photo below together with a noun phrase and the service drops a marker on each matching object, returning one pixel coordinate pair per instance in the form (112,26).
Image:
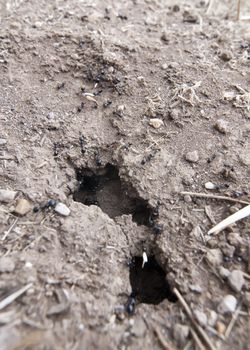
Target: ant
(51,203)
(130,306)
(82,142)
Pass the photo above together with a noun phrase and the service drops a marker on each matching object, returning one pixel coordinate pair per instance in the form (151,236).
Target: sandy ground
(114,108)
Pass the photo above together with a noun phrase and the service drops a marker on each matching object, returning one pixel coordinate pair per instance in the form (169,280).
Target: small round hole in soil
(149,284)
(104,188)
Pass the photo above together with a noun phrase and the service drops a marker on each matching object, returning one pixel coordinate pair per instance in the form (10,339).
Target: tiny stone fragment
(7,196)
(236,280)
(187,198)
(210,186)
(3,142)
(139,328)
(200,317)
(222,126)
(6,264)
(214,257)
(156,123)
(181,333)
(224,273)
(22,207)
(220,327)
(212,318)
(234,239)
(192,157)
(227,305)
(62,209)
(225,55)
(195,288)
(190,17)
(227,249)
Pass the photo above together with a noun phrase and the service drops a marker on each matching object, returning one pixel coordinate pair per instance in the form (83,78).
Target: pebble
(141,81)
(165,37)
(190,17)
(227,249)
(192,157)
(220,327)
(139,328)
(195,288)
(7,196)
(234,239)
(214,257)
(224,273)
(62,209)
(22,207)
(227,305)
(210,186)
(236,280)
(3,142)
(212,318)
(200,317)
(181,333)
(226,55)
(156,123)
(6,264)
(222,126)
(187,198)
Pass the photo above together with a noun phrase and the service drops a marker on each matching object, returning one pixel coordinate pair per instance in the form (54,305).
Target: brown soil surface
(80,82)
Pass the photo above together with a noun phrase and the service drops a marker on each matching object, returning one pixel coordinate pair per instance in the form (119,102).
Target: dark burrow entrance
(104,188)
(149,284)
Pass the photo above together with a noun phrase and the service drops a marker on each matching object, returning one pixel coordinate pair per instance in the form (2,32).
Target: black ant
(82,142)
(51,203)
(130,306)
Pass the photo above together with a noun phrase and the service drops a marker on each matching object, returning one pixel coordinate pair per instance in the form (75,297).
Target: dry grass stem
(189,313)
(212,196)
(9,299)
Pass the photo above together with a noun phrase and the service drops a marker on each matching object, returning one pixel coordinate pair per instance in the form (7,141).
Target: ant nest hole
(104,188)
(148,282)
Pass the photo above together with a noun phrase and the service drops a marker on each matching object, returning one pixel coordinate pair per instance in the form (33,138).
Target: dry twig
(162,340)
(6,233)
(198,328)
(9,299)
(212,196)
(233,320)
(239,215)
(197,340)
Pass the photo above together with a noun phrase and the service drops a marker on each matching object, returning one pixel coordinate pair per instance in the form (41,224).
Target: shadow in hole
(149,284)
(105,189)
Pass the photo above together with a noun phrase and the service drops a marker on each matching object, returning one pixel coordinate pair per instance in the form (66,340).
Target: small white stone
(214,257)
(201,317)
(3,142)
(195,288)
(236,280)
(181,333)
(22,207)
(192,157)
(222,126)
(28,265)
(224,273)
(7,196)
(212,318)
(62,209)
(6,264)
(227,305)
(210,186)
(156,123)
